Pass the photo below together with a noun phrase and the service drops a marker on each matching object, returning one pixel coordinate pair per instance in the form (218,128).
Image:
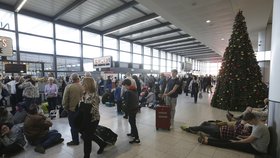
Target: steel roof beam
(181,45)
(206,52)
(194,51)
(67,9)
(166,39)
(185,48)
(180,41)
(130,23)
(157,34)
(145,29)
(111,12)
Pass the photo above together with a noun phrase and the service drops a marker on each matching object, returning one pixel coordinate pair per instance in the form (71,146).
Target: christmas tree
(239,83)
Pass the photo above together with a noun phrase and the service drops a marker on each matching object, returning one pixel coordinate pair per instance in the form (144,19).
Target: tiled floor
(154,144)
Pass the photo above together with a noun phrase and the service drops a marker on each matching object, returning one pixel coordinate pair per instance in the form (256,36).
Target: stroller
(108,98)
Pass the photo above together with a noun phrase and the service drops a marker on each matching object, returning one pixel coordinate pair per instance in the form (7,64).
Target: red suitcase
(163,117)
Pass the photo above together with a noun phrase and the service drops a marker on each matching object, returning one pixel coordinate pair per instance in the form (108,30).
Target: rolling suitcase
(163,117)
(106,134)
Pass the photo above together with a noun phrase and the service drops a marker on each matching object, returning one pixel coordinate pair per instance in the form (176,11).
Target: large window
(11,35)
(137,48)
(67,33)
(125,46)
(35,44)
(162,69)
(162,62)
(174,65)
(7,20)
(88,65)
(155,61)
(155,53)
(137,59)
(46,59)
(68,64)
(125,57)
(113,53)
(68,49)
(174,57)
(155,67)
(169,56)
(91,52)
(147,60)
(147,67)
(35,26)
(110,42)
(91,38)
(147,51)
(162,55)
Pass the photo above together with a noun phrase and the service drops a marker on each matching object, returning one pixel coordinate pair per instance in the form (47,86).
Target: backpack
(5,93)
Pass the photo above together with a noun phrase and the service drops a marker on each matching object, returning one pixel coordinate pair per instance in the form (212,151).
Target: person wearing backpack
(171,93)
(194,87)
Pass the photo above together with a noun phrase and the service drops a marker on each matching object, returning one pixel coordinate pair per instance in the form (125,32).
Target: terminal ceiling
(176,26)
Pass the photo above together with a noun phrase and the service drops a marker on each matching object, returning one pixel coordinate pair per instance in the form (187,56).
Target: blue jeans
(74,131)
(49,140)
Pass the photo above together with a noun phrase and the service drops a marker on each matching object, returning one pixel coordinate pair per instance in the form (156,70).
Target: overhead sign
(102,62)
(6,46)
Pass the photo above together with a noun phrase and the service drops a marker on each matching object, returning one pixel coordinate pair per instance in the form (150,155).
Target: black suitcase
(106,134)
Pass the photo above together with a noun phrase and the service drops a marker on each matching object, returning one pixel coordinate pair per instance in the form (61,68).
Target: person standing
(118,97)
(91,116)
(194,86)
(30,91)
(171,94)
(51,92)
(131,102)
(71,98)
(13,97)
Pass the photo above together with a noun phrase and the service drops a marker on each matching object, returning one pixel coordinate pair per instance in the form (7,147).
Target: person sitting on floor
(261,113)
(11,140)
(221,130)
(5,116)
(256,143)
(36,129)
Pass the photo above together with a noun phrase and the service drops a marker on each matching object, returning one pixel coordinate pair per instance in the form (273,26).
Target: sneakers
(101,149)
(184,127)
(60,141)
(134,141)
(72,143)
(39,149)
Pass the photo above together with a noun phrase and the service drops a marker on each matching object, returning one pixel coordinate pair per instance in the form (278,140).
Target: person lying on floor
(221,130)
(261,113)
(256,143)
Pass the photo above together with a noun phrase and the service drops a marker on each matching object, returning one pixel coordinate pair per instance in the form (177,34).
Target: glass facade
(61,47)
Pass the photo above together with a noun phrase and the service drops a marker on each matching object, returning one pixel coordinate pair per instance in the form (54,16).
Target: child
(131,102)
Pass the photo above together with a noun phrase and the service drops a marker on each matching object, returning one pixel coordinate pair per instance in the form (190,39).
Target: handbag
(83,116)
(200,95)
(124,107)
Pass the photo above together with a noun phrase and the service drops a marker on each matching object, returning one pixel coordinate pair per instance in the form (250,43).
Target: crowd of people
(82,94)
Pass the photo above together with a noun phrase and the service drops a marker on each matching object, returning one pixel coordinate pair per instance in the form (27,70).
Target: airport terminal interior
(109,40)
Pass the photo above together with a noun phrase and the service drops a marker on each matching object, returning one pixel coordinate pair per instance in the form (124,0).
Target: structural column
(274,86)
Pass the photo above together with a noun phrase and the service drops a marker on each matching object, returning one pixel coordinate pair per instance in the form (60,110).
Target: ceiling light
(208,21)
(222,39)
(20,5)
